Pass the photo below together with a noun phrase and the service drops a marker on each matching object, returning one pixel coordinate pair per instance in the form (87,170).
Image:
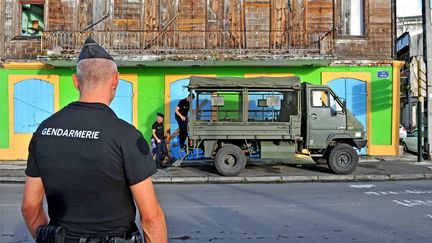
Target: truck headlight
(358,134)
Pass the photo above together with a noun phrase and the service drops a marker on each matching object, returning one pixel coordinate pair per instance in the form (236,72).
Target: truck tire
(342,159)
(230,160)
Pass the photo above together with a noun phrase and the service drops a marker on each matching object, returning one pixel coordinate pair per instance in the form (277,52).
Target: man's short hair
(92,71)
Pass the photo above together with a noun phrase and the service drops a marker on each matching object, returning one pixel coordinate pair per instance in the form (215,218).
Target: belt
(56,234)
(135,238)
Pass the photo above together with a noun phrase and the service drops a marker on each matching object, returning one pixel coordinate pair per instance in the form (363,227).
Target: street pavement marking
(414,203)
(430,216)
(385,193)
(362,186)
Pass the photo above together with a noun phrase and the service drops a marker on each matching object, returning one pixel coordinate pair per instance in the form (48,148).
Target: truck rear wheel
(230,160)
(342,159)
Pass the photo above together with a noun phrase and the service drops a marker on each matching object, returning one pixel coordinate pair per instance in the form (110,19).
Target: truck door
(324,116)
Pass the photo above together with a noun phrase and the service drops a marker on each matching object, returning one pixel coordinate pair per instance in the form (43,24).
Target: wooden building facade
(333,28)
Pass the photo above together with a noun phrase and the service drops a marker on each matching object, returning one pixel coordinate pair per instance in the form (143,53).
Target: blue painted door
(33,103)
(178,91)
(122,102)
(353,93)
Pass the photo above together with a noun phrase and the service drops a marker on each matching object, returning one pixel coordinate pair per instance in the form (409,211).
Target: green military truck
(236,120)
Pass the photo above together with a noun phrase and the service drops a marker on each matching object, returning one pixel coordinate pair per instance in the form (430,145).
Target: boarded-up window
(191,24)
(352,17)
(234,24)
(257,23)
(215,20)
(127,14)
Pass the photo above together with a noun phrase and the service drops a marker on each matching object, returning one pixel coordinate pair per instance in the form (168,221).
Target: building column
(397,65)
(2,28)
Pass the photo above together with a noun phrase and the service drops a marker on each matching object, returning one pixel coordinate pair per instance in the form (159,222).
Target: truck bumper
(360,143)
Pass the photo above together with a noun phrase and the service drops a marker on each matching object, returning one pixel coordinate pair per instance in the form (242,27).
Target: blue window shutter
(122,102)
(33,103)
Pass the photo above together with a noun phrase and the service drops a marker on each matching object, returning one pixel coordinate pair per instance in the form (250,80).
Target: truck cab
(242,119)
(327,125)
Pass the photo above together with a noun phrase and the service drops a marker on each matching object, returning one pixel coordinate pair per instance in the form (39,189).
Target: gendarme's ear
(75,81)
(115,80)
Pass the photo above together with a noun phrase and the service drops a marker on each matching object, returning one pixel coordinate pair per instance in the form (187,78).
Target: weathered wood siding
(222,25)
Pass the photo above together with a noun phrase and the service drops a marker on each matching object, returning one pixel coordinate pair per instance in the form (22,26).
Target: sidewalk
(372,168)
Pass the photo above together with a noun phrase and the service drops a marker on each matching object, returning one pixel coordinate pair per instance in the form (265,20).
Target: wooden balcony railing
(191,42)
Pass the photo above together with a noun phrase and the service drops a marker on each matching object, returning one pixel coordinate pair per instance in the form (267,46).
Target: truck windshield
(334,105)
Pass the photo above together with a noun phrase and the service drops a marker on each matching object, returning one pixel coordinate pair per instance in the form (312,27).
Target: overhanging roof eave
(156,61)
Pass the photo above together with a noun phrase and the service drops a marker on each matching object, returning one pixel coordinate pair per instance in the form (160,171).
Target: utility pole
(427,56)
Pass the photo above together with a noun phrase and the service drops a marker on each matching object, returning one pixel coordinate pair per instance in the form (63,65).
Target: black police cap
(91,49)
(160,114)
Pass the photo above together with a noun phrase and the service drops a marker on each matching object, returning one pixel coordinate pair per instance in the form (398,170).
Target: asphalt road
(391,211)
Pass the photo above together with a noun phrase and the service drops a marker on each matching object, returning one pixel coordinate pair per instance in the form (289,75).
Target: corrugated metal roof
(233,82)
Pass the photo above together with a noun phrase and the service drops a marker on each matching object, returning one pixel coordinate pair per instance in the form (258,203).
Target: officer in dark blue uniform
(92,166)
(181,116)
(158,137)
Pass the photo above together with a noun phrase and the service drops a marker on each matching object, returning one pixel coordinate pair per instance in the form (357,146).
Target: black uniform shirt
(159,127)
(183,108)
(87,159)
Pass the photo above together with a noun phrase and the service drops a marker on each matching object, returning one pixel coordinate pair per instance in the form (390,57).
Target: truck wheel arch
(340,138)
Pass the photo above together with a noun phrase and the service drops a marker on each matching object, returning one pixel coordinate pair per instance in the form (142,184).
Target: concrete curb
(265,179)
(372,177)
(225,180)
(331,178)
(288,179)
(262,179)
(299,179)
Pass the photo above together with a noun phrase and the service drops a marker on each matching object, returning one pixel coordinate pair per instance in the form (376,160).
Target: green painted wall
(4,110)
(68,93)
(151,92)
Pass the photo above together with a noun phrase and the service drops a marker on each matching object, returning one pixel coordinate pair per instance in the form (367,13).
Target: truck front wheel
(230,160)
(342,159)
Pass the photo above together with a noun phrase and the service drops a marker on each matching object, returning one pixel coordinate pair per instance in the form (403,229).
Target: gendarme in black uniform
(160,150)
(159,127)
(87,159)
(183,106)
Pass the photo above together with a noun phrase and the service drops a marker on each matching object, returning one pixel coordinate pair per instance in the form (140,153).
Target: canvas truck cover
(292,82)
